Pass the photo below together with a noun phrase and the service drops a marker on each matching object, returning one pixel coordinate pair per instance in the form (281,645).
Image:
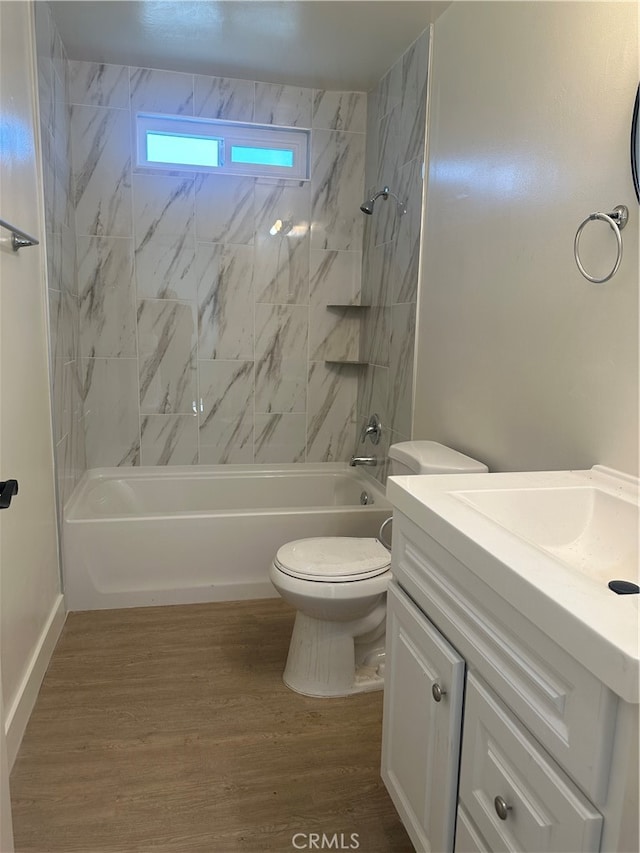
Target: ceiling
(325,44)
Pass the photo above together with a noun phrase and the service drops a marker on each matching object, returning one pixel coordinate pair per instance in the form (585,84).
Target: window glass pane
(262,156)
(183,143)
(188,150)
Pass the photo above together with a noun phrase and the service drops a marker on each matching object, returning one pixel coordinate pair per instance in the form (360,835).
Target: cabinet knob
(437,692)
(502,809)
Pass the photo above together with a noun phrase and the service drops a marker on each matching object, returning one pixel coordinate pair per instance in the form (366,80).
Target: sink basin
(586,528)
(549,542)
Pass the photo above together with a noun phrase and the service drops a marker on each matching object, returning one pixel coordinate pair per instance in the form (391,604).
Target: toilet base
(366,679)
(325,660)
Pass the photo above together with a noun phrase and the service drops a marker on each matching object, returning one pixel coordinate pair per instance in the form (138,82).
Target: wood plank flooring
(169,729)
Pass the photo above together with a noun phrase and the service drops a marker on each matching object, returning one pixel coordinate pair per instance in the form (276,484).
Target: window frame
(228,133)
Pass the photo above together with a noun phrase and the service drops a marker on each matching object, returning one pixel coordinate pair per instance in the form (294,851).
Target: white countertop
(593,624)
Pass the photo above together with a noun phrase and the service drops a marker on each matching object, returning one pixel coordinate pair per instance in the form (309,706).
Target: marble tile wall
(202,338)
(396,119)
(65,300)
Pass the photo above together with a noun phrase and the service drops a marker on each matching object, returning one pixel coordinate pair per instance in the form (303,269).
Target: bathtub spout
(364,460)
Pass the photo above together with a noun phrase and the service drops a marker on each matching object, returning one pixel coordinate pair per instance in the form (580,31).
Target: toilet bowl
(338,586)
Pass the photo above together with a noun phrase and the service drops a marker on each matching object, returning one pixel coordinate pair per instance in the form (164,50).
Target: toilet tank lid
(429,457)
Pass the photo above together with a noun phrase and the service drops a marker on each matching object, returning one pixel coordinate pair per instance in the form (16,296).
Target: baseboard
(22,706)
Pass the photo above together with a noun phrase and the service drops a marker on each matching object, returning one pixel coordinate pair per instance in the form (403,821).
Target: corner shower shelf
(349,361)
(347,305)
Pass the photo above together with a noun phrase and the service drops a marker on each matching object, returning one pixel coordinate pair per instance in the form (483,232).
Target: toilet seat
(334,559)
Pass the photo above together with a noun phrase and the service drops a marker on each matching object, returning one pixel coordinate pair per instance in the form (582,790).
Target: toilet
(338,586)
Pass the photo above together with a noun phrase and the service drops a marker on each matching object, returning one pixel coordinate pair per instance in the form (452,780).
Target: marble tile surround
(396,115)
(203,338)
(120,256)
(67,298)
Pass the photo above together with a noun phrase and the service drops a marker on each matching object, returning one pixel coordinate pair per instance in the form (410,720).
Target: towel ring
(616,220)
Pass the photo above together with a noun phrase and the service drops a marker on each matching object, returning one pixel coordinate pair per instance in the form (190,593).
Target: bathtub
(180,535)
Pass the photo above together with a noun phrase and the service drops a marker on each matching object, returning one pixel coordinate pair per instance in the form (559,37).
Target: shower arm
(386,192)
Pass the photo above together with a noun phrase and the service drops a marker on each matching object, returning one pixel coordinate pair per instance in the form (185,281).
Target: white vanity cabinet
(549,754)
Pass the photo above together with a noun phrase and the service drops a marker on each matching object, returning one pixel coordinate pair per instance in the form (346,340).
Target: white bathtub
(180,535)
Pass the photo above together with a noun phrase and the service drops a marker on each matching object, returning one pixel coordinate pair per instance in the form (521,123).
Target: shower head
(367,206)
(385,192)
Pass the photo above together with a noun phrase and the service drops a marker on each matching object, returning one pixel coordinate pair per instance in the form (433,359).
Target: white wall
(31,607)
(521,362)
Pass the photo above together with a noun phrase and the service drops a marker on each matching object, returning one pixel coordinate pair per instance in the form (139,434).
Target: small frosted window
(183,150)
(184,143)
(262,156)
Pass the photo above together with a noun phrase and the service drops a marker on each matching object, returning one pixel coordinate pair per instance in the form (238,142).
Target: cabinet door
(517,796)
(468,839)
(424,684)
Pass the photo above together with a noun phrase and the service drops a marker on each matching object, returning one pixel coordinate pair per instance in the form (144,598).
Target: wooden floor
(169,729)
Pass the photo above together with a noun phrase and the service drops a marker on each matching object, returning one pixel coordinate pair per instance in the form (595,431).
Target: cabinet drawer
(545,810)
(564,706)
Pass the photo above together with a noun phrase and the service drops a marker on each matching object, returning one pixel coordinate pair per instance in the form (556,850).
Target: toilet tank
(429,457)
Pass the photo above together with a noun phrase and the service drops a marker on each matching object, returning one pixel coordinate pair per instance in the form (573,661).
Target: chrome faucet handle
(373,429)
